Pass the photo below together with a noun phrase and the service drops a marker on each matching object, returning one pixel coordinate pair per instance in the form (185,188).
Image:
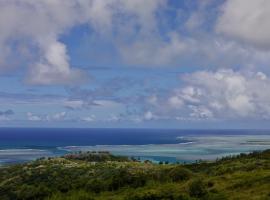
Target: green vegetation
(102,176)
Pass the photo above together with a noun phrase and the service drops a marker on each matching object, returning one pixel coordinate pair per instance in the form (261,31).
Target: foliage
(197,189)
(95,156)
(180,173)
(102,176)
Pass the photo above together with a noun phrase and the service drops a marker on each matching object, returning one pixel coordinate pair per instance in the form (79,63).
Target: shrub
(215,196)
(148,195)
(123,177)
(180,173)
(32,192)
(210,184)
(95,185)
(197,189)
(74,195)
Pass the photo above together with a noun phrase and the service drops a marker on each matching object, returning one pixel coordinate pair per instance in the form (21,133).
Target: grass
(102,176)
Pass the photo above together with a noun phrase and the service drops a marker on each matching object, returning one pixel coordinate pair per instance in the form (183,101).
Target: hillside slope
(100,175)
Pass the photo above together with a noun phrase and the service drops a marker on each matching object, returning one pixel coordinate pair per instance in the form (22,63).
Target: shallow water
(20,145)
(207,147)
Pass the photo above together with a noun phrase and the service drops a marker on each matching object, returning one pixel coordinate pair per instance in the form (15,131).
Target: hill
(102,176)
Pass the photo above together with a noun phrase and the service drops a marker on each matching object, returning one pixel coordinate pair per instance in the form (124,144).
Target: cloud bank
(247,22)
(33,32)
(222,46)
(142,34)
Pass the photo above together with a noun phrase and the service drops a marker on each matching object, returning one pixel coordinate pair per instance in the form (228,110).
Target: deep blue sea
(24,144)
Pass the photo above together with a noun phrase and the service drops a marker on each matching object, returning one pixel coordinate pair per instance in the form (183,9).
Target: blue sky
(135,63)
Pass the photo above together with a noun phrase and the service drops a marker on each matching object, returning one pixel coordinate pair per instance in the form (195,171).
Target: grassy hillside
(100,175)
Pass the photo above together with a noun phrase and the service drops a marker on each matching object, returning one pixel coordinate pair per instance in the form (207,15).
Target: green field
(100,175)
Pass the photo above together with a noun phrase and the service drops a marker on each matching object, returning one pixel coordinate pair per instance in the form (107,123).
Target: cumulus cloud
(134,29)
(91,118)
(205,50)
(225,94)
(38,25)
(148,115)
(33,117)
(54,67)
(232,49)
(246,21)
(222,94)
(41,34)
(61,116)
(200,112)
(175,102)
(74,104)
(198,42)
(57,116)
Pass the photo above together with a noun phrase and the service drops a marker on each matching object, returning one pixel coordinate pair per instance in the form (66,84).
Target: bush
(156,195)
(215,196)
(145,195)
(32,192)
(123,178)
(180,173)
(210,184)
(74,195)
(197,189)
(95,185)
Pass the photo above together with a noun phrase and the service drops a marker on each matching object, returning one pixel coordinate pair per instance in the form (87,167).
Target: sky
(135,63)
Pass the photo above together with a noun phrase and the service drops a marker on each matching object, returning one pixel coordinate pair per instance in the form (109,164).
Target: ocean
(25,144)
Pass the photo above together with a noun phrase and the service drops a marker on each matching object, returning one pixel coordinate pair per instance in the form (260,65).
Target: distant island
(103,176)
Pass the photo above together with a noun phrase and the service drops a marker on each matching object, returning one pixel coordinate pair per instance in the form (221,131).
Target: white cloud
(74,104)
(149,115)
(190,94)
(227,93)
(247,21)
(133,28)
(175,102)
(54,67)
(61,116)
(58,116)
(204,50)
(38,25)
(113,118)
(32,117)
(223,94)
(200,112)
(91,118)
(200,45)
(153,51)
